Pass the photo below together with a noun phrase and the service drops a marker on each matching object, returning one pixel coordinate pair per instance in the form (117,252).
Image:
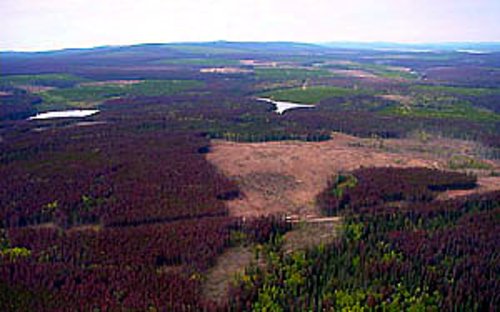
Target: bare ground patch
(357,73)
(309,233)
(85,227)
(225,70)
(111,82)
(35,89)
(228,265)
(307,167)
(285,177)
(249,62)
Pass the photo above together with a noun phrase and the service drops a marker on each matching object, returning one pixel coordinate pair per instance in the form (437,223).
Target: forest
(124,210)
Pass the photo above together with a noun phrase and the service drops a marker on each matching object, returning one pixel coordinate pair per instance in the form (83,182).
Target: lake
(281,106)
(65,114)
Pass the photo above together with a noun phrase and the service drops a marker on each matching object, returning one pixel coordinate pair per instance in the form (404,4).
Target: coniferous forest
(125,210)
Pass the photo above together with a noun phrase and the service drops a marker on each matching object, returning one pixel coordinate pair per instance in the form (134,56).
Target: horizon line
(321,44)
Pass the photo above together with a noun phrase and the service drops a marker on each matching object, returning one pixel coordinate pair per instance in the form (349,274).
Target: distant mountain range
(418,47)
(214,47)
(228,47)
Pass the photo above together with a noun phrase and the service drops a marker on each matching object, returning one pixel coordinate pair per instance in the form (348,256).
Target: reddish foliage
(376,186)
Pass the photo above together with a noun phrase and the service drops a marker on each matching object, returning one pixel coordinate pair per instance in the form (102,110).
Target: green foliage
(350,301)
(342,182)
(295,273)
(14,253)
(456,90)
(48,211)
(275,243)
(82,94)
(466,162)
(89,202)
(388,72)
(51,207)
(379,70)
(364,271)
(267,300)
(161,87)
(418,300)
(391,255)
(353,231)
(445,102)
(238,238)
(85,96)
(463,110)
(310,95)
(41,80)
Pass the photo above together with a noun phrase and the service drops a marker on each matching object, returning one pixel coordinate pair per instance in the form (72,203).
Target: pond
(281,106)
(65,114)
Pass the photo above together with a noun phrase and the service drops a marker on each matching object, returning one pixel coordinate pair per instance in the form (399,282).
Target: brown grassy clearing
(34,88)
(230,263)
(311,232)
(354,73)
(110,82)
(285,177)
(225,70)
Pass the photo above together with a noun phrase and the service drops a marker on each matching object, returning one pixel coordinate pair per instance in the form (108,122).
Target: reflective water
(65,114)
(281,106)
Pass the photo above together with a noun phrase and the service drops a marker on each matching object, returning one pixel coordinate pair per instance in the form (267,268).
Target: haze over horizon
(29,25)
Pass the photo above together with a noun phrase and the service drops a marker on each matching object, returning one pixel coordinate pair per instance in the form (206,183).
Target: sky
(35,25)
